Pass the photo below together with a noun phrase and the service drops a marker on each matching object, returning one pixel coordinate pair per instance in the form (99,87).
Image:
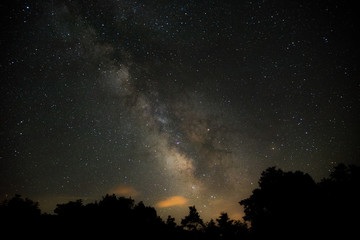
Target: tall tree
(192,222)
(339,198)
(224,222)
(282,204)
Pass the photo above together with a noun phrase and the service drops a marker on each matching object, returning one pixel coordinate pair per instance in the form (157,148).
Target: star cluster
(175,103)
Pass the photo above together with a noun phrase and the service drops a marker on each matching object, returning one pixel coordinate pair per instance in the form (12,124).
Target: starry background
(174,103)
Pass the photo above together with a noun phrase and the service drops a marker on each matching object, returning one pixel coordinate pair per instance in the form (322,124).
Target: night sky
(174,103)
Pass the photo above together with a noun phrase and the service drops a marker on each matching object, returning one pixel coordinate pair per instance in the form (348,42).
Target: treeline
(290,205)
(117,217)
(287,205)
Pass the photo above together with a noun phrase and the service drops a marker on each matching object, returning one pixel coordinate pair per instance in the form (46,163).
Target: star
(186,101)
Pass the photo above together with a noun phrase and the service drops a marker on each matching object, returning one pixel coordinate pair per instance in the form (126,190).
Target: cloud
(124,190)
(172,201)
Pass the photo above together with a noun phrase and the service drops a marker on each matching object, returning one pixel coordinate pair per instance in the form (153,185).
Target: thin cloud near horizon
(172,201)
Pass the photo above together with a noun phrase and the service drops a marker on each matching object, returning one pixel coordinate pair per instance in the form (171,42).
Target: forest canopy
(285,204)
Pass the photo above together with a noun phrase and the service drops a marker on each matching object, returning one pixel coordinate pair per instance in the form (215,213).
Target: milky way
(174,103)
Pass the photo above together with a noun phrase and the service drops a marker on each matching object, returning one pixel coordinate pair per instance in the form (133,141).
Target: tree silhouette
(286,205)
(70,209)
(282,204)
(240,230)
(224,222)
(19,217)
(192,222)
(211,226)
(17,207)
(170,222)
(212,230)
(230,229)
(289,204)
(146,217)
(339,198)
(111,205)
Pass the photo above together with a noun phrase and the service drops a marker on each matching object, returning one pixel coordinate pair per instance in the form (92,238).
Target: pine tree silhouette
(192,222)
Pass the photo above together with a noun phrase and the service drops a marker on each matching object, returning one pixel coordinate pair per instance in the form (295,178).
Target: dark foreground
(287,205)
